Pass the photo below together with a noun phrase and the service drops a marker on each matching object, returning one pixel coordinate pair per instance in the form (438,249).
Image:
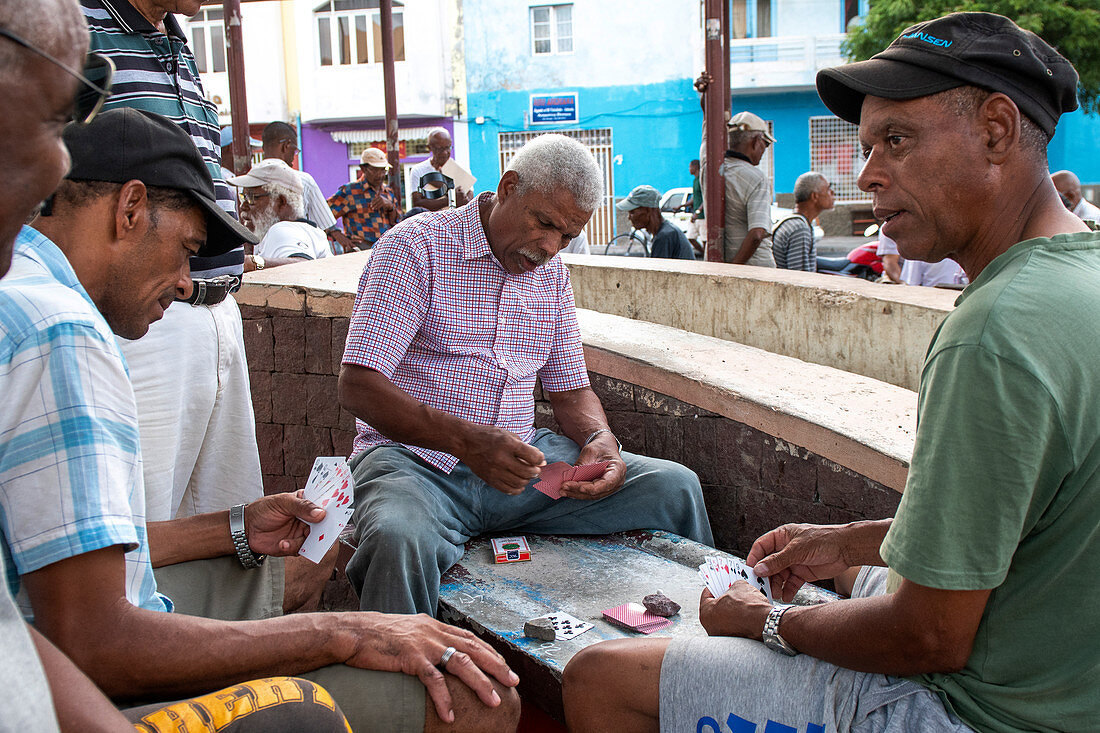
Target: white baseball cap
(749,121)
(271,170)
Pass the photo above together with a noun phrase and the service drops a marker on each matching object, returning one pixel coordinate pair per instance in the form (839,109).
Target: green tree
(1072,27)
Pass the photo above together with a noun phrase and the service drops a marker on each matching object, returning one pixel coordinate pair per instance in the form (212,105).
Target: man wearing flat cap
(643,207)
(972,609)
(748,193)
(107,256)
(367,206)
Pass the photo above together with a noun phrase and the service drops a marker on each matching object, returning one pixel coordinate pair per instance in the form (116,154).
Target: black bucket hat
(976,49)
(126,144)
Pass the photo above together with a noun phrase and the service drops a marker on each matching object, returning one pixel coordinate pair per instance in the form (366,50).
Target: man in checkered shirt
(457,314)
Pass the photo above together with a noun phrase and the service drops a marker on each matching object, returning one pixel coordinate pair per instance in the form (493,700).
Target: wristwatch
(259,262)
(771,638)
(248,558)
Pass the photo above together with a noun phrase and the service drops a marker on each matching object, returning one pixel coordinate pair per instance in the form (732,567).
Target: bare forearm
(578,412)
(749,244)
(392,411)
(192,538)
(79,705)
(882,634)
(128,659)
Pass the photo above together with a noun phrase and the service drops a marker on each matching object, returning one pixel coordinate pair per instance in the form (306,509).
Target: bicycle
(632,244)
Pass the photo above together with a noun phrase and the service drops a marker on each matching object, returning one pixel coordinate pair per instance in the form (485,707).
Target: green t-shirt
(1004,487)
(697,197)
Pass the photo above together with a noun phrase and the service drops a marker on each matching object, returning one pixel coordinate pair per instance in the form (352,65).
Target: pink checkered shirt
(438,315)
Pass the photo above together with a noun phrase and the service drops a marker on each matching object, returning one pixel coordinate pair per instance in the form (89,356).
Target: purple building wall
(327,160)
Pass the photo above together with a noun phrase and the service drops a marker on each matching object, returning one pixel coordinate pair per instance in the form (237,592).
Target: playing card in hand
(330,487)
(555,474)
(718,574)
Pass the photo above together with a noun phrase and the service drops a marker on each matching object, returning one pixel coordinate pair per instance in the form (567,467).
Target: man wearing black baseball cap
(969,609)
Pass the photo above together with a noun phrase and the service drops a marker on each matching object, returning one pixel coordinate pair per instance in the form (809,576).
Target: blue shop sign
(554,109)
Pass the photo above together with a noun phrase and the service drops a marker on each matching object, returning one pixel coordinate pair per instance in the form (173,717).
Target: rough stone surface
(661,605)
(539,628)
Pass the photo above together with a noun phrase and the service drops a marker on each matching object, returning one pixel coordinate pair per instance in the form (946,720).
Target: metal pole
(726,55)
(393,154)
(714,113)
(238,106)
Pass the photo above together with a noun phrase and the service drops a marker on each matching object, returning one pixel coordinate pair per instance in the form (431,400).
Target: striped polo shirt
(157,73)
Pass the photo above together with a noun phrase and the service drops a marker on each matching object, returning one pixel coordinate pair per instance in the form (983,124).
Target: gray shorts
(732,685)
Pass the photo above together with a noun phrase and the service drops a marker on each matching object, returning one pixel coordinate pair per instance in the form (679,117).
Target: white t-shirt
(931,274)
(886,246)
(578,245)
(317,210)
(1085,210)
(294,239)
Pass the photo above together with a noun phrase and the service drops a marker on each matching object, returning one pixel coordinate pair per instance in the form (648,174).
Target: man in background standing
(439,142)
(367,206)
(748,193)
(697,228)
(793,238)
(280,142)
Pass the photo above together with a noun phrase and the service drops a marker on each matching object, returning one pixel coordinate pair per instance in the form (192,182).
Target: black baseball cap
(126,144)
(976,49)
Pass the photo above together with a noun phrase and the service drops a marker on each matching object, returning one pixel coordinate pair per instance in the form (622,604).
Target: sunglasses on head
(95,81)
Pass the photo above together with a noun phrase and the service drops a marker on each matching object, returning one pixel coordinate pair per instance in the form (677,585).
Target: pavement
(839,246)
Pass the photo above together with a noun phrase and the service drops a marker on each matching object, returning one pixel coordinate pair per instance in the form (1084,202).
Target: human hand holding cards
(719,574)
(330,487)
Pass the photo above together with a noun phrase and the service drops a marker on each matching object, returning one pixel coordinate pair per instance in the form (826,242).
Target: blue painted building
(620,78)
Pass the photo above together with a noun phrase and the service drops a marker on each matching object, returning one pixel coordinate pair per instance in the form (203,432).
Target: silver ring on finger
(447,654)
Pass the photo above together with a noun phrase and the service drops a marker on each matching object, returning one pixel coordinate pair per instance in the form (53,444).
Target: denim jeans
(411,519)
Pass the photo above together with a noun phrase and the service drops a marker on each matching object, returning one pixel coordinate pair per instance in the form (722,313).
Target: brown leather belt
(212,291)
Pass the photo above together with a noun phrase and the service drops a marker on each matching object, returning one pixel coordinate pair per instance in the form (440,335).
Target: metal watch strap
(771,637)
(603,430)
(248,558)
(259,262)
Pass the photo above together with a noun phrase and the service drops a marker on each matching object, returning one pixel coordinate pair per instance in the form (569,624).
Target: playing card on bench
(635,616)
(566,626)
(330,487)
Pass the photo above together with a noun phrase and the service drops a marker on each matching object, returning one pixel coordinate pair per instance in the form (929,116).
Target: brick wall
(752,481)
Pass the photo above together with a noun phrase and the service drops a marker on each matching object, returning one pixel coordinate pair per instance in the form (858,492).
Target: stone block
(269,439)
(258,344)
(279,484)
(339,328)
(342,441)
(347,420)
(664,436)
(629,428)
(250,312)
(288,399)
(318,346)
(788,470)
(842,487)
(737,454)
(290,344)
(722,509)
(260,385)
(322,405)
(544,417)
(646,400)
(538,393)
(700,449)
(614,394)
(301,445)
(762,511)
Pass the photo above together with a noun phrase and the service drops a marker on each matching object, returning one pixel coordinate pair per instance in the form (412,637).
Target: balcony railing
(782,61)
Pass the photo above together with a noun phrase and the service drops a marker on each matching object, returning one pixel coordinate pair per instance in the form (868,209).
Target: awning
(379,136)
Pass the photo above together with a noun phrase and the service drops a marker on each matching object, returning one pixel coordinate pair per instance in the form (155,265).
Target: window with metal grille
(208,40)
(835,153)
(551,29)
(350,32)
(601,227)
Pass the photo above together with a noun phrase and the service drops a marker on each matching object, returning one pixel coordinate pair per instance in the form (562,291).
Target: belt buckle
(211,291)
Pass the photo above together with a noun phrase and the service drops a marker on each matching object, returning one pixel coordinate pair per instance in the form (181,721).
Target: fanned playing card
(718,574)
(555,474)
(634,616)
(566,626)
(330,487)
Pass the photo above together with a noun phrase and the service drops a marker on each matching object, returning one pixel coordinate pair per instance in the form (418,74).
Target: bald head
(56,27)
(36,93)
(1069,185)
